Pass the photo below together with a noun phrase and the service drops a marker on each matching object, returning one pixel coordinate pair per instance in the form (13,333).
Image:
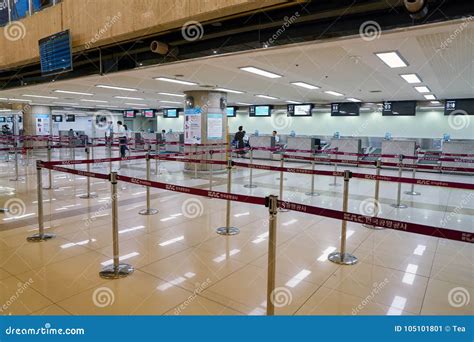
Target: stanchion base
(334,184)
(88,196)
(252,186)
(413,193)
(399,206)
(3,210)
(312,193)
(227,231)
(372,227)
(283,210)
(342,259)
(148,212)
(112,272)
(40,237)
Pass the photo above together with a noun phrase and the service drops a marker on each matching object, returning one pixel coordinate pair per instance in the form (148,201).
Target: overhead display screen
(70,118)
(345,109)
(231,111)
(149,113)
(129,114)
(300,109)
(2,119)
(56,53)
(57,118)
(170,112)
(399,108)
(459,106)
(260,111)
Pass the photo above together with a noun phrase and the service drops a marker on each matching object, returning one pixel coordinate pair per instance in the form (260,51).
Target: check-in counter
(346,145)
(262,141)
(174,138)
(397,147)
(458,147)
(303,144)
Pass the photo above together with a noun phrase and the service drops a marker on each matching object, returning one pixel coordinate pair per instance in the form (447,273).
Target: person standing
(239,139)
(122,135)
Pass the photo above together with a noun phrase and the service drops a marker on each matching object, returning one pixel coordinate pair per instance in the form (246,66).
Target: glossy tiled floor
(183,267)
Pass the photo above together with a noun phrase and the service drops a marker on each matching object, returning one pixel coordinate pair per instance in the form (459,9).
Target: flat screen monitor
(300,109)
(55,53)
(57,118)
(459,106)
(399,108)
(129,114)
(260,111)
(149,113)
(3,119)
(70,118)
(345,109)
(170,112)
(231,111)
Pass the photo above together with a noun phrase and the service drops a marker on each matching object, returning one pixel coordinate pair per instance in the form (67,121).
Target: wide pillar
(205,122)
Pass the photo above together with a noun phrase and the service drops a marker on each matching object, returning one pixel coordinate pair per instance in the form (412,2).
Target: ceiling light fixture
(260,72)
(172,94)
(72,92)
(305,85)
(172,80)
(267,97)
(353,99)
(230,90)
(293,102)
(136,104)
(114,87)
(435,102)
(392,58)
(334,93)
(411,78)
(67,103)
(174,102)
(423,89)
(40,96)
(430,97)
(129,98)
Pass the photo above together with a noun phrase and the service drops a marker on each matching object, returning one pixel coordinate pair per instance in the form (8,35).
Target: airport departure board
(345,109)
(149,113)
(399,108)
(260,110)
(231,111)
(170,112)
(56,53)
(459,106)
(300,109)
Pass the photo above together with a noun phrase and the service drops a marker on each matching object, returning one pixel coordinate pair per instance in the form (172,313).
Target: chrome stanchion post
(272,204)
(50,177)
(116,270)
(228,230)
(282,165)
(251,185)
(148,210)
(412,191)
(211,169)
(157,153)
(89,194)
(341,257)
(378,165)
(15,145)
(41,236)
(399,205)
(312,192)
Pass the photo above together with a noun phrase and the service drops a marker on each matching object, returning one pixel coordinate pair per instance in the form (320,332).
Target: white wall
(177,125)
(426,124)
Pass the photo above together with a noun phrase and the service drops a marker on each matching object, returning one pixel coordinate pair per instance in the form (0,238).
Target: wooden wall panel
(97,22)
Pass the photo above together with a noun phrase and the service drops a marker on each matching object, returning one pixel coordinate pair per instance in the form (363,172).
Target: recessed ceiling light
(423,89)
(114,87)
(244,103)
(73,92)
(172,80)
(305,85)
(19,100)
(267,97)
(430,97)
(174,102)
(334,93)
(129,98)
(98,101)
(67,103)
(411,78)
(435,102)
(294,102)
(40,96)
(172,94)
(260,72)
(353,99)
(3,99)
(230,90)
(137,104)
(392,59)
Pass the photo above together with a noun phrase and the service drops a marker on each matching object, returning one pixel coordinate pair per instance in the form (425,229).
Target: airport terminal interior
(236,157)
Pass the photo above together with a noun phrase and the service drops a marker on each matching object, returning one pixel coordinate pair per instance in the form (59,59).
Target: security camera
(159,47)
(416,8)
